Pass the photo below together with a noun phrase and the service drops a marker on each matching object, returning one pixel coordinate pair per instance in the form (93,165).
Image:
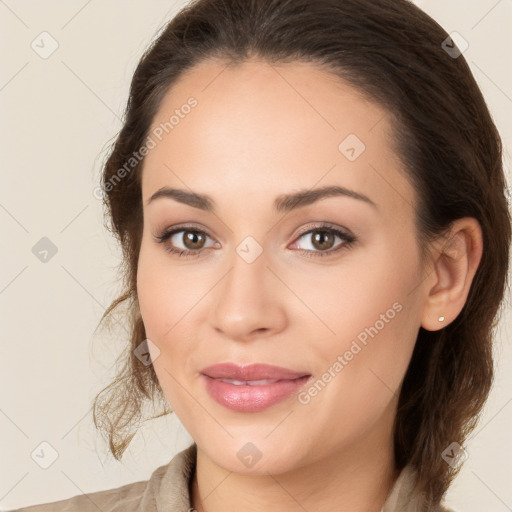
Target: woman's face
(267,280)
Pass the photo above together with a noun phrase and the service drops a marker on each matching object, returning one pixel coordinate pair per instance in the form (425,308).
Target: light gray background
(57,116)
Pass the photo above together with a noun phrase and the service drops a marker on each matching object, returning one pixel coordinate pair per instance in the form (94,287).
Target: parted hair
(396,55)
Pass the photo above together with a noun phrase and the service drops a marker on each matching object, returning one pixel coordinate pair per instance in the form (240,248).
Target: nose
(249,301)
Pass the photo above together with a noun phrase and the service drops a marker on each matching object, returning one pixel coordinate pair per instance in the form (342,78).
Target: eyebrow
(283,203)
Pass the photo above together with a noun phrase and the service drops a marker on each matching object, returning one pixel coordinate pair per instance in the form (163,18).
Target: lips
(251,388)
(251,373)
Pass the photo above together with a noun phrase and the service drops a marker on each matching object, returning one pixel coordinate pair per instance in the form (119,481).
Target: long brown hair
(393,53)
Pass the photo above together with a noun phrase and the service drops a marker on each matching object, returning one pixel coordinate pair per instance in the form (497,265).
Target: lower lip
(247,398)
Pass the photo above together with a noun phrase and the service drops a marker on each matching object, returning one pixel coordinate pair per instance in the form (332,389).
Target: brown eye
(184,242)
(323,240)
(193,239)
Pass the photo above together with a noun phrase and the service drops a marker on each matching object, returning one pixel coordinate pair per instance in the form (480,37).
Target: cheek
(364,292)
(154,291)
(374,318)
(149,294)
(167,299)
(156,299)
(158,286)
(361,374)
(169,289)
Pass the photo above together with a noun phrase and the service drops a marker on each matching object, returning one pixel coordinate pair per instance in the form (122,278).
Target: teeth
(249,382)
(260,382)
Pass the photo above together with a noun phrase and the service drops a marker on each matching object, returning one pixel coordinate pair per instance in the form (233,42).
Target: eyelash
(349,240)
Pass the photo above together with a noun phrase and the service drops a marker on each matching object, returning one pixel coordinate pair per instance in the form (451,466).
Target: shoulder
(167,487)
(126,498)
(444,508)
(401,496)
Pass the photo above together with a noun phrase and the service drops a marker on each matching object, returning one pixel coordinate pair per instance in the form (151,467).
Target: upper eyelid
(322,225)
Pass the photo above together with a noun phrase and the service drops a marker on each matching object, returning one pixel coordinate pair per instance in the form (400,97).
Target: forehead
(271,128)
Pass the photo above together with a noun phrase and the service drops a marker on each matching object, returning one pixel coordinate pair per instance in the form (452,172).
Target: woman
(310,201)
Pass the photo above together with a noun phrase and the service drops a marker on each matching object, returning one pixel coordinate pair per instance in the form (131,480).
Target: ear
(455,261)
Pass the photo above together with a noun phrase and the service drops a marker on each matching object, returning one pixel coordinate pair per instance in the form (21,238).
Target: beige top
(168,490)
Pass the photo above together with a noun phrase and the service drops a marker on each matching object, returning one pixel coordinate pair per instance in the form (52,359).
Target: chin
(257,457)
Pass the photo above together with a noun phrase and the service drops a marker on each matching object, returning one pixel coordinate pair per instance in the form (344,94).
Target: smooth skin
(260,131)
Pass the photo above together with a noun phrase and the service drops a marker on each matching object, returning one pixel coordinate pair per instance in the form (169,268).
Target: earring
(441,318)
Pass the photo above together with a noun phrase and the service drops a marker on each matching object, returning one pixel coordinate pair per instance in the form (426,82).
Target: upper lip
(257,371)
